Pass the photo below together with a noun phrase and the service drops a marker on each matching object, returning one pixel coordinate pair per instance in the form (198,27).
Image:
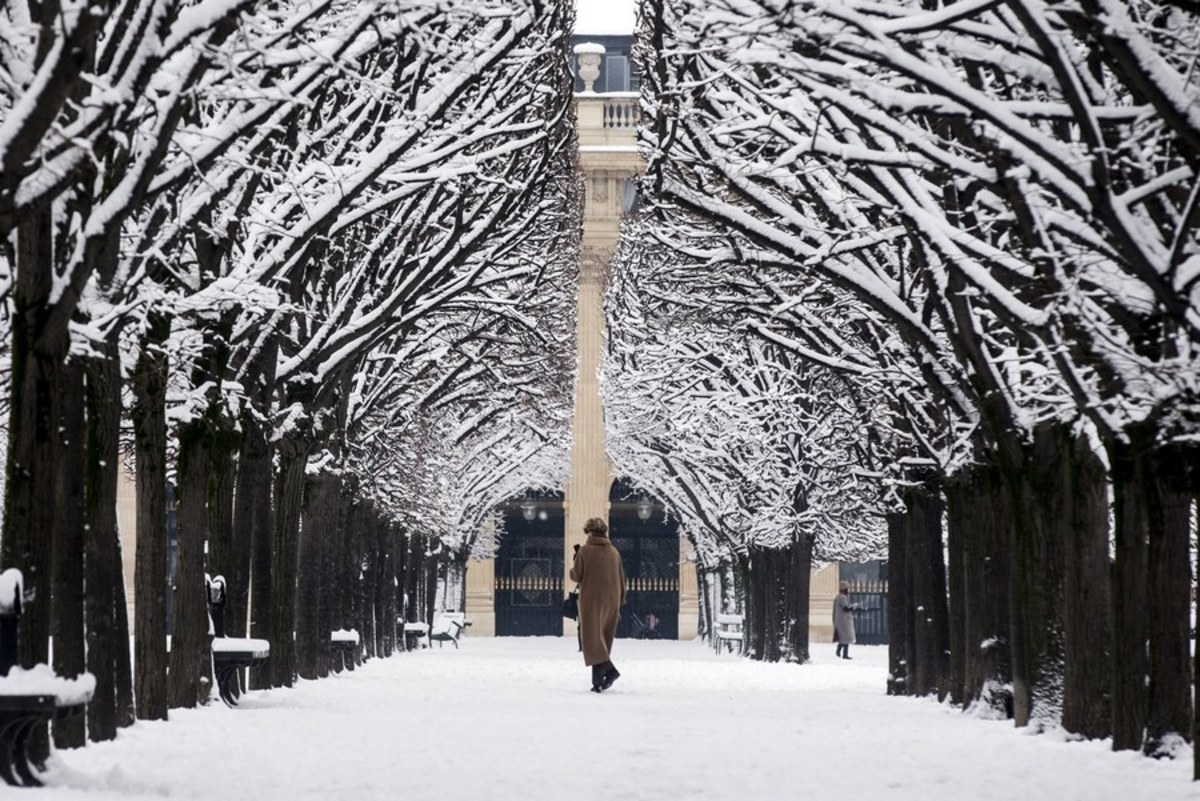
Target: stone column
(591,474)
(479,596)
(689,592)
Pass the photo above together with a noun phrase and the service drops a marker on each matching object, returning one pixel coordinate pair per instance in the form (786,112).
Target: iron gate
(650,553)
(529,578)
(870,621)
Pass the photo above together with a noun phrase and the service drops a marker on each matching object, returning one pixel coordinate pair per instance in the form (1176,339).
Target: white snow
(42,680)
(11,582)
(514,719)
(230,644)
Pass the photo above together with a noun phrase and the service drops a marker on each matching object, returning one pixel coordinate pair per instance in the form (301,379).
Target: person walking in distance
(843,620)
(601,577)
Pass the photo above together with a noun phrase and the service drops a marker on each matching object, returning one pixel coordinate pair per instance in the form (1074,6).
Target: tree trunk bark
(798,588)
(312,633)
(222,478)
(929,671)
(388,611)
(1169,712)
(39,349)
(254,514)
(102,539)
(1032,476)
(123,664)
(150,571)
(70,658)
(1131,629)
(899,654)
(293,460)
(989,662)
(189,638)
(961,527)
(1087,600)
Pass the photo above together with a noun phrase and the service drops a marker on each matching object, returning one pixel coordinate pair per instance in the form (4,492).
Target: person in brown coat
(601,577)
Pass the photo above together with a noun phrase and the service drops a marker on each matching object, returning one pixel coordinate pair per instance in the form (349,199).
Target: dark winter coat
(843,620)
(601,578)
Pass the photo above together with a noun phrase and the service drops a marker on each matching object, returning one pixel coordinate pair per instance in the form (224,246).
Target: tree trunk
(189,638)
(70,658)
(39,349)
(755,624)
(122,662)
(150,571)
(988,558)
(1087,609)
(1169,712)
(899,641)
(798,588)
(222,478)
(293,459)
(318,520)
(1032,476)
(388,611)
(961,527)
(930,666)
(254,515)
(102,539)
(1196,652)
(1130,624)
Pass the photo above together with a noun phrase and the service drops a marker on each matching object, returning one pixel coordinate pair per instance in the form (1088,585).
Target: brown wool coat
(601,578)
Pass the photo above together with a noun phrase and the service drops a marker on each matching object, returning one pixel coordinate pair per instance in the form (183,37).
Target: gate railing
(529,583)
(870,622)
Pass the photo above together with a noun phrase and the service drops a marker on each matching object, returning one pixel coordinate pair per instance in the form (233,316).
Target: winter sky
(605,16)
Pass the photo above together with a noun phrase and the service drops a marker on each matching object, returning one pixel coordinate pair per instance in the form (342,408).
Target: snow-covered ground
(514,719)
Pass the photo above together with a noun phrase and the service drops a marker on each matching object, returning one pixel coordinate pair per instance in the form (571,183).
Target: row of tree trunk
(1059,592)
(1054,589)
(242,505)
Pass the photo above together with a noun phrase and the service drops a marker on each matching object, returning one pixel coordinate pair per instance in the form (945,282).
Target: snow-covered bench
(28,697)
(729,633)
(342,645)
(414,632)
(230,654)
(448,627)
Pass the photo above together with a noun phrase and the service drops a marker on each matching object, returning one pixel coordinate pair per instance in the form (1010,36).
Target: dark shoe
(612,675)
(598,672)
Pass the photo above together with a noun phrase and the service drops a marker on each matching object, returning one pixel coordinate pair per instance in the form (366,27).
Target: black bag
(571,605)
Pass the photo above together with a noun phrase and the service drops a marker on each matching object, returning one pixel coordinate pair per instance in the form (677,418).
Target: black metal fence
(529,578)
(870,622)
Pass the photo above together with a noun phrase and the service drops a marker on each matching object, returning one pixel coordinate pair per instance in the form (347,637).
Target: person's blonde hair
(596,526)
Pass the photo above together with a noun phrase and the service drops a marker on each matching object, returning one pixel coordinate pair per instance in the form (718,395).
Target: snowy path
(513,719)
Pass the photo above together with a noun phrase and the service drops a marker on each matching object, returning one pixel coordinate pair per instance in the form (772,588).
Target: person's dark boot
(610,675)
(598,676)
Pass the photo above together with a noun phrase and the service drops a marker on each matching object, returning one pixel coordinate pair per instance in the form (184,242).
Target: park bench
(28,698)
(230,655)
(414,632)
(447,628)
(342,645)
(729,633)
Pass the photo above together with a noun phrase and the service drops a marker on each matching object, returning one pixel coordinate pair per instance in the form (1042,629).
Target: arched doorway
(649,546)
(529,568)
